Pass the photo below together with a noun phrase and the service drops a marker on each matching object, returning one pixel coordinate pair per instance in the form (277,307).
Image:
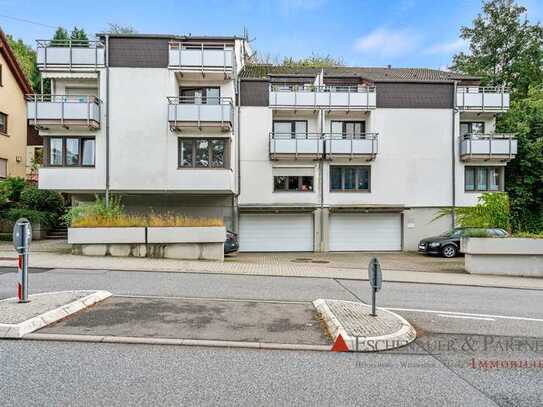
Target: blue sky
(418,33)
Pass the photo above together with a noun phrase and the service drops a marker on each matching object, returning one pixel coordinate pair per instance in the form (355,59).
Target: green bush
(42,200)
(11,188)
(34,216)
(98,208)
(529,235)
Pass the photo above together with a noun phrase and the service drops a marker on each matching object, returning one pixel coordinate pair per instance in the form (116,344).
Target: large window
(472,128)
(355,179)
(70,152)
(292,183)
(347,129)
(3,123)
(481,179)
(202,153)
(3,168)
(290,128)
(206,96)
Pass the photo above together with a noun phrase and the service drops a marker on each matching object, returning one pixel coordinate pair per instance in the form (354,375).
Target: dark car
(231,244)
(448,244)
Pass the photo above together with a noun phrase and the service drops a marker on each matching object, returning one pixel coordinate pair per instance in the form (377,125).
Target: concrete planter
(188,243)
(508,256)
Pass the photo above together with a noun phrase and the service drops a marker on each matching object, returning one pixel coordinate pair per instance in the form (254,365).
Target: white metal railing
(482,98)
(70,54)
(346,144)
(199,110)
(312,96)
(64,109)
(488,146)
(201,56)
(296,144)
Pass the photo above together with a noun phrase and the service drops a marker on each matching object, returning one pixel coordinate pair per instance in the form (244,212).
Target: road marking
(465,317)
(428,311)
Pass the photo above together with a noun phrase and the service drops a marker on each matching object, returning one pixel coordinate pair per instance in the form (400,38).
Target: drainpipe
(453,155)
(107,119)
(321,167)
(238,158)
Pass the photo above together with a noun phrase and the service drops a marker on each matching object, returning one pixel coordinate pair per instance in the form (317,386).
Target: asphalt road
(458,359)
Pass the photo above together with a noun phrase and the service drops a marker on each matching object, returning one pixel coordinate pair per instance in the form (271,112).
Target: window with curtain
(71,152)
(483,179)
(292,183)
(350,178)
(202,153)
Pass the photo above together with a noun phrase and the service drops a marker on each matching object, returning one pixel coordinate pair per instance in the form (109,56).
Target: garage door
(276,232)
(352,232)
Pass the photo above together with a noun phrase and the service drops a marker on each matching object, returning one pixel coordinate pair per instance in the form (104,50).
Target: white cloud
(447,47)
(386,42)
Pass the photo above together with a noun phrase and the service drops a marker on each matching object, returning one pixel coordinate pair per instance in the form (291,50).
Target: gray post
(22,236)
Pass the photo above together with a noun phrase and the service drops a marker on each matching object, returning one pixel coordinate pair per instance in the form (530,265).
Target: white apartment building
(334,159)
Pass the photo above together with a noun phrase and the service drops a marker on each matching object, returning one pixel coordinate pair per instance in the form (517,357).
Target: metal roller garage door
(276,232)
(365,232)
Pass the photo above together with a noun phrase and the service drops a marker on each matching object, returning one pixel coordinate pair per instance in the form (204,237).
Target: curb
(175,342)
(405,335)
(16,331)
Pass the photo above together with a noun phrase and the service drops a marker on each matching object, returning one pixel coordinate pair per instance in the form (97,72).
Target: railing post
(224,58)
(199,113)
(483,100)
(70,47)
(180,50)
(349,100)
(35,110)
(490,146)
(95,56)
(222,114)
(61,111)
(88,111)
(510,146)
(45,57)
(202,56)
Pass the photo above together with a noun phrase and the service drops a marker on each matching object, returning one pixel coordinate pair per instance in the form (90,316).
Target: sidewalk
(63,260)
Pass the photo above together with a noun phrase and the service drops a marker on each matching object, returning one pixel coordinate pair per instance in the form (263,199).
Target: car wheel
(449,251)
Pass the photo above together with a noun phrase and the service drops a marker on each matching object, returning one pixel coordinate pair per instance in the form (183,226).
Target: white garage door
(352,232)
(276,232)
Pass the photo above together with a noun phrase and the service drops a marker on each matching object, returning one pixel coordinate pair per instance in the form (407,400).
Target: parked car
(231,244)
(448,244)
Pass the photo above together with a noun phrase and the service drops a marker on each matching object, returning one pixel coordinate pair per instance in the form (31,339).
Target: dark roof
(13,64)
(374,74)
(174,37)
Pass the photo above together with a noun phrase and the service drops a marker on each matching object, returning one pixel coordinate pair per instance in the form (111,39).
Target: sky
(402,33)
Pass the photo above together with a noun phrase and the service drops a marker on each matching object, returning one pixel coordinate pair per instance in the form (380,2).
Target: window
(292,183)
(472,128)
(70,152)
(3,123)
(348,130)
(356,179)
(202,153)
(292,128)
(206,96)
(478,179)
(3,168)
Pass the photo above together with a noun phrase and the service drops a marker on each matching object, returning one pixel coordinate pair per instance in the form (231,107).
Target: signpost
(375,277)
(22,236)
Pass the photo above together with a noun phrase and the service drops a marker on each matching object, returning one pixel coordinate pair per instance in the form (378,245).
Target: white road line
(465,314)
(465,317)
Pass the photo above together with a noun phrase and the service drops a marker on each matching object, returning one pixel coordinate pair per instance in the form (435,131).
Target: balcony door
(206,96)
(348,130)
(290,128)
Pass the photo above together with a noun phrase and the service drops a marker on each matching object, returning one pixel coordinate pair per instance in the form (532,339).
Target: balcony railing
(351,146)
(482,98)
(486,147)
(44,111)
(202,57)
(296,145)
(70,54)
(190,111)
(330,97)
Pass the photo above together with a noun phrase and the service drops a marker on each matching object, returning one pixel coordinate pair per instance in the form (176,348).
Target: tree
(61,38)
(504,48)
(524,175)
(314,61)
(27,59)
(79,37)
(120,29)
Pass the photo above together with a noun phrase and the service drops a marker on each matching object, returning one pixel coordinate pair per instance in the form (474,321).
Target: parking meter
(22,236)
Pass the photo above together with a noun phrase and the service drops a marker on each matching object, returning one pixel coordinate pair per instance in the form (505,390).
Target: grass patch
(528,235)
(155,220)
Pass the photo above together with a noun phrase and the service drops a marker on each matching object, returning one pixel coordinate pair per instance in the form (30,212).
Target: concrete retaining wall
(510,256)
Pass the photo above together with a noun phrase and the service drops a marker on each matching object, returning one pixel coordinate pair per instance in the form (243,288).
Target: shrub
(170,220)
(34,216)
(529,235)
(42,200)
(11,188)
(97,209)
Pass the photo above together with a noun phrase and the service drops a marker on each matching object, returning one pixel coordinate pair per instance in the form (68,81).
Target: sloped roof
(13,65)
(374,74)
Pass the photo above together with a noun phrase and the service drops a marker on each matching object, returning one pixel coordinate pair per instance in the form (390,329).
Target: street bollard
(22,236)
(375,277)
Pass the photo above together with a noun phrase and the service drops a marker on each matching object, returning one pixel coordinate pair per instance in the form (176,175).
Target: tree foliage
(61,37)
(313,61)
(120,29)
(504,47)
(27,59)
(79,36)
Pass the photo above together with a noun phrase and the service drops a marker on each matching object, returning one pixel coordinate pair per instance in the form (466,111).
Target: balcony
(187,112)
(481,99)
(70,55)
(488,147)
(202,59)
(322,97)
(339,145)
(290,146)
(63,111)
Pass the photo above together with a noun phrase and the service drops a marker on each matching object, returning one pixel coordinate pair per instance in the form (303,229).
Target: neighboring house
(333,159)
(13,124)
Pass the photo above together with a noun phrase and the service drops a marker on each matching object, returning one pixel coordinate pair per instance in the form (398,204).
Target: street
(468,338)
